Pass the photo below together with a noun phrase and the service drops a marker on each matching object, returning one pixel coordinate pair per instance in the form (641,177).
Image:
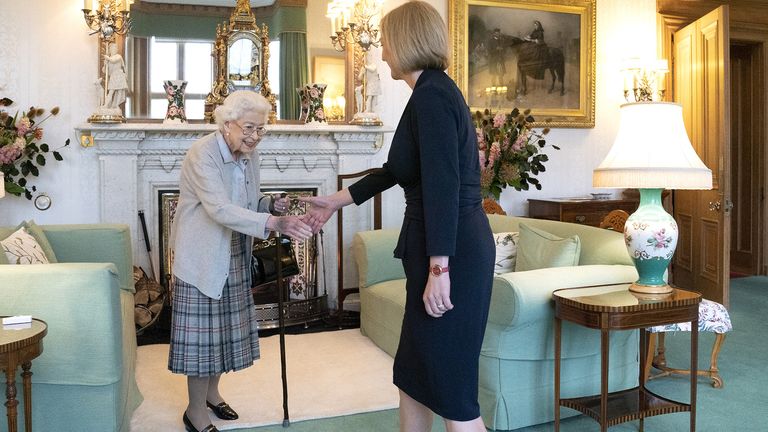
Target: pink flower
(23,126)
(482,158)
(480,138)
(498,119)
(19,143)
(520,142)
(39,133)
(494,154)
(9,154)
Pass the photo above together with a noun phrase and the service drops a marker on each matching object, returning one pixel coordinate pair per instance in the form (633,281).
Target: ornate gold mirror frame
(242,25)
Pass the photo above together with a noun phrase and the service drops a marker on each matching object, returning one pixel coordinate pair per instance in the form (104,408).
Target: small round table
(20,344)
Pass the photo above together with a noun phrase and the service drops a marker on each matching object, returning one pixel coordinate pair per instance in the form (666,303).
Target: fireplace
(136,161)
(304,302)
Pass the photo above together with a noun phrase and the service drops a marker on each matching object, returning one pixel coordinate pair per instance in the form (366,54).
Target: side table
(19,347)
(614,307)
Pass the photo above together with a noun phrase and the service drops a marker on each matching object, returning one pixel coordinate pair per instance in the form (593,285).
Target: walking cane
(281,323)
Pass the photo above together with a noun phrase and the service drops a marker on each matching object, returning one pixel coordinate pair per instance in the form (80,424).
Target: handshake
(319,210)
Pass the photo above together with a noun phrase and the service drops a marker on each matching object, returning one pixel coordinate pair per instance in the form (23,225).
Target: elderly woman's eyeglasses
(249,130)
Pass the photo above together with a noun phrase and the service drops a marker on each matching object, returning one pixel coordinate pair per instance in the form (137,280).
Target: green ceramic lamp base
(651,236)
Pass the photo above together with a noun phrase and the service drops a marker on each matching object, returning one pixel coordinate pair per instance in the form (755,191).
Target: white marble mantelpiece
(137,160)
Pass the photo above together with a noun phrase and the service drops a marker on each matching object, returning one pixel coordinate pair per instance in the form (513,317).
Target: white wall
(54,62)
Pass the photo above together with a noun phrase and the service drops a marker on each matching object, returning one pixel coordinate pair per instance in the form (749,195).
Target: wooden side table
(19,347)
(614,307)
(575,210)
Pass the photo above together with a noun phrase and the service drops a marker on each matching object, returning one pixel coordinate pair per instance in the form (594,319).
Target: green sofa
(85,378)
(516,383)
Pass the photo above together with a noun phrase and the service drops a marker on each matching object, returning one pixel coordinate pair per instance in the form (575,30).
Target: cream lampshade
(652,152)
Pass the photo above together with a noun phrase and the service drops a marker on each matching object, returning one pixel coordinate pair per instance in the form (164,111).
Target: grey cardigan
(206,216)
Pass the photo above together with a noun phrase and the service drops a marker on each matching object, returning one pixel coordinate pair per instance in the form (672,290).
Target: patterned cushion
(21,248)
(506,251)
(713,317)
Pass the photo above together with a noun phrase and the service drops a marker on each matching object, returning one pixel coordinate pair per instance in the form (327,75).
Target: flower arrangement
(510,151)
(20,153)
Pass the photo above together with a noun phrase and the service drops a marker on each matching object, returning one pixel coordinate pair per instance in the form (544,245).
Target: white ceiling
(226,3)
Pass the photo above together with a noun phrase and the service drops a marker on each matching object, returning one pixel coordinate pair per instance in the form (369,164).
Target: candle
(88,4)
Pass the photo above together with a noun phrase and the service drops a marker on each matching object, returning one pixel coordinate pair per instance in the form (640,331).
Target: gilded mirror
(241,52)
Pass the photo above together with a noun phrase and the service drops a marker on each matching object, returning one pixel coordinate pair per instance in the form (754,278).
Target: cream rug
(330,374)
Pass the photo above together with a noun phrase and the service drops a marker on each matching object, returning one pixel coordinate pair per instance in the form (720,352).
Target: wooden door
(747,165)
(701,77)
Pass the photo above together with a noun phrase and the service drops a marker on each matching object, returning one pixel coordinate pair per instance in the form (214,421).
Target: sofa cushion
(540,249)
(39,244)
(506,251)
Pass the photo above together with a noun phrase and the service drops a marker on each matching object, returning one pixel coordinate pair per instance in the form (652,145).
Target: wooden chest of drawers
(577,210)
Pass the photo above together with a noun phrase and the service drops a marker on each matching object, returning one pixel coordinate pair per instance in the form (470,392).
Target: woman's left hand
(437,295)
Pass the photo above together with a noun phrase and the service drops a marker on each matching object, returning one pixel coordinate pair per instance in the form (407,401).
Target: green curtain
(295,73)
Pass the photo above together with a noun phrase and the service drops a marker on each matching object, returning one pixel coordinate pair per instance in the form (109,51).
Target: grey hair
(238,103)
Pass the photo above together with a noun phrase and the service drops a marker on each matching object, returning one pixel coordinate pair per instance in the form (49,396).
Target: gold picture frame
(501,61)
(168,200)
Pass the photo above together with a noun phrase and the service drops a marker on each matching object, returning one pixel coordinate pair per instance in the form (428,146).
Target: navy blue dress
(434,158)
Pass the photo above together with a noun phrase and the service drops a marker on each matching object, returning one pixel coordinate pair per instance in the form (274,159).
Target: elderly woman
(434,158)
(220,211)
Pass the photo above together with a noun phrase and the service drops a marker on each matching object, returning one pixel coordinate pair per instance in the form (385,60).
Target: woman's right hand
(292,226)
(321,208)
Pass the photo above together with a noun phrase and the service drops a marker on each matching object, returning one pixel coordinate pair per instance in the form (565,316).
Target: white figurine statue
(114,90)
(370,73)
(117,81)
(370,89)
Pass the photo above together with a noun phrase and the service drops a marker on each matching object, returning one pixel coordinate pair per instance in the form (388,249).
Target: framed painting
(535,54)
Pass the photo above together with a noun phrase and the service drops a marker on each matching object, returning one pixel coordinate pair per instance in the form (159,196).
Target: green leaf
(66,143)
(25,168)
(40,160)
(22,181)
(28,194)
(13,188)
(57,155)
(33,169)
(44,148)
(33,147)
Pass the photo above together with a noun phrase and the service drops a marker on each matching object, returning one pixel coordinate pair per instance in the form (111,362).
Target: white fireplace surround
(136,160)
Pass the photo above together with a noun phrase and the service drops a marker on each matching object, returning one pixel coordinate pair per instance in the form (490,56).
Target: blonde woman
(220,211)
(446,244)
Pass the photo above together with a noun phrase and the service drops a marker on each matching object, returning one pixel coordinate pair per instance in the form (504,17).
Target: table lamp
(652,152)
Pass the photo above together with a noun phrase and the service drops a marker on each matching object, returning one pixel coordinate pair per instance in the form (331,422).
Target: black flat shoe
(191,428)
(223,411)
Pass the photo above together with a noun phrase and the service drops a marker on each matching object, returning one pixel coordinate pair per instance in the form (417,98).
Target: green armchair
(516,383)
(85,378)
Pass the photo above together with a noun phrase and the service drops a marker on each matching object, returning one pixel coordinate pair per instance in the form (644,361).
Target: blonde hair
(416,37)
(238,103)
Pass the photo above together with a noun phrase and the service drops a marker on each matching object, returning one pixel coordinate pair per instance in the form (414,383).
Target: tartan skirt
(209,336)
